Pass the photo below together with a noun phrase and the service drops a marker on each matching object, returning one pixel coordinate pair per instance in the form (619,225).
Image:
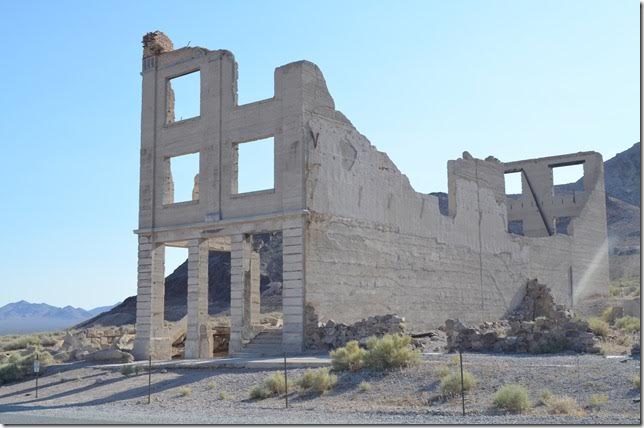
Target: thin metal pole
(37,372)
(460,354)
(285,383)
(578,382)
(149,378)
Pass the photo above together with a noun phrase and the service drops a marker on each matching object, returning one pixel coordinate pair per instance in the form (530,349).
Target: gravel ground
(411,395)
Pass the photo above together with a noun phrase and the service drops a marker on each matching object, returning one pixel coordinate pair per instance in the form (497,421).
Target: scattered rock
(110,355)
(331,335)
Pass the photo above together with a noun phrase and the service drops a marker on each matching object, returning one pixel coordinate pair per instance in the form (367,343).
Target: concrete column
(151,336)
(237,244)
(293,289)
(244,290)
(197,298)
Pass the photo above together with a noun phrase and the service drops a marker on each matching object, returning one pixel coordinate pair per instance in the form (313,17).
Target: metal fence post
(149,378)
(285,383)
(460,354)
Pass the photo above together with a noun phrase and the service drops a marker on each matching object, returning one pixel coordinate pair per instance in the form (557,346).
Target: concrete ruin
(357,239)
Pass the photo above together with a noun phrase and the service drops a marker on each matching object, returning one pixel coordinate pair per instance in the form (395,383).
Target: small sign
(36,366)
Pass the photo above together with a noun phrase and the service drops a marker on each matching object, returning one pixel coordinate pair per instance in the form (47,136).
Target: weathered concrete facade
(357,239)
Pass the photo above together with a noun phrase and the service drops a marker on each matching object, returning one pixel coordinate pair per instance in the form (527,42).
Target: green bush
(222,395)
(273,385)
(390,351)
(598,326)
(628,324)
(513,398)
(451,384)
(607,314)
(127,370)
(596,401)
(316,381)
(17,367)
(349,357)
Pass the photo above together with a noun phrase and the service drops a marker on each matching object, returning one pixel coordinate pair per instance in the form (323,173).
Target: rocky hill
(622,175)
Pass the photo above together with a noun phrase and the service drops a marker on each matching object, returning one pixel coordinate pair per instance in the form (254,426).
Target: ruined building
(357,239)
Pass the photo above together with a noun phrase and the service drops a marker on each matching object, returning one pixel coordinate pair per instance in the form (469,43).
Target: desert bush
(47,341)
(451,384)
(607,314)
(316,381)
(273,385)
(628,324)
(350,357)
(636,382)
(390,351)
(222,395)
(596,401)
(211,385)
(22,343)
(364,386)
(563,405)
(598,326)
(545,396)
(17,367)
(442,371)
(185,391)
(127,370)
(513,398)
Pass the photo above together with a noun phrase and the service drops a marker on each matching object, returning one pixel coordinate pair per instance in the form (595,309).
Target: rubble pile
(331,335)
(537,326)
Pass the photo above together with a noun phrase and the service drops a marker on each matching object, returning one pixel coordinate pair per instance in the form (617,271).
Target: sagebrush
(628,323)
(350,357)
(316,381)
(273,385)
(598,326)
(451,384)
(389,351)
(512,398)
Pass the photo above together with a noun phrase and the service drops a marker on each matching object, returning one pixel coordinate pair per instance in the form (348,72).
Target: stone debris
(537,326)
(331,335)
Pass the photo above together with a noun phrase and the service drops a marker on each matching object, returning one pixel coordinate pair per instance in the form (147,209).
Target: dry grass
(636,382)
(596,401)
(21,342)
(564,405)
(545,396)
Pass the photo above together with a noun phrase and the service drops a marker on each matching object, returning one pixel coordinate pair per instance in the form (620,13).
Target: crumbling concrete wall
(374,245)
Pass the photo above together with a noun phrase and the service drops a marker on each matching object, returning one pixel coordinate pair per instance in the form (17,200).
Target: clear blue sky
(423,80)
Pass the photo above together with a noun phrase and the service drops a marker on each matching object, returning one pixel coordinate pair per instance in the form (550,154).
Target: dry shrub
(185,391)
(316,381)
(390,351)
(512,398)
(636,382)
(272,386)
(607,314)
(350,357)
(442,371)
(628,323)
(564,405)
(545,396)
(364,386)
(21,343)
(451,384)
(596,401)
(599,326)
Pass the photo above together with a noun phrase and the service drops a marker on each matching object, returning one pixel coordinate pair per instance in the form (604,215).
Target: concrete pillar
(151,336)
(197,298)
(244,290)
(293,289)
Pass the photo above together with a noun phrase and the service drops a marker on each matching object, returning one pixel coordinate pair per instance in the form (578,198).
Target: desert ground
(602,390)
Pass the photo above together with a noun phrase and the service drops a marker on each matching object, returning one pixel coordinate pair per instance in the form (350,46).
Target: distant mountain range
(24,317)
